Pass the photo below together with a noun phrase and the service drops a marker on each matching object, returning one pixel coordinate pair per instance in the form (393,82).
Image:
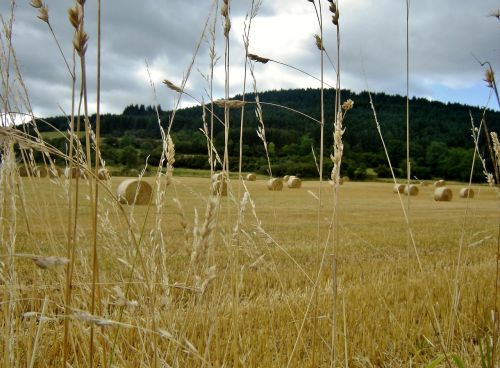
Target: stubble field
(210,282)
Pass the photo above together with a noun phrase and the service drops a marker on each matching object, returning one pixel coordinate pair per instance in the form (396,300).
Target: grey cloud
(444,35)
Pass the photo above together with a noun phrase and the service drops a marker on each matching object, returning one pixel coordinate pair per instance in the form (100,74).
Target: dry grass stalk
(103,174)
(76,172)
(121,300)
(170,159)
(219,184)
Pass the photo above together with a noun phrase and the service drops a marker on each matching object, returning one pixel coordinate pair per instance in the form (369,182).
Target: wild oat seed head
(80,42)
(36,3)
(43,13)
(489,77)
(319,43)
(75,16)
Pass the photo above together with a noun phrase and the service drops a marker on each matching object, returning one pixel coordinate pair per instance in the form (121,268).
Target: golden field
(250,283)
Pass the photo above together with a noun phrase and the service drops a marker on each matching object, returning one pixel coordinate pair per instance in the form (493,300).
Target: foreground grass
(165,314)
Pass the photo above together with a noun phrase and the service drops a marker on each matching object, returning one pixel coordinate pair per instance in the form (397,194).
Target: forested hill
(440,134)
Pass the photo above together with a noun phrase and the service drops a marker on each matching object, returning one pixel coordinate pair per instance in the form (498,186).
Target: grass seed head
(75,16)
(80,42)
(258,58)
(36,4)
(43,13)
(227,27)
(172,86)
(319,43)
(489,77)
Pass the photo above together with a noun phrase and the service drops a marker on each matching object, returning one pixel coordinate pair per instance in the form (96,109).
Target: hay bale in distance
(275,184)
(345,178)
(134,192)
(440,183)
(43,172)
(294,182)
(398,188)
(411,190)
(251,177)
(443,194)
(466,193)
(23,171)
(76,172)
(103,174)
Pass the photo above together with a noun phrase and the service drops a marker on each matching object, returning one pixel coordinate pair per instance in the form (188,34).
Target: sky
(447,39)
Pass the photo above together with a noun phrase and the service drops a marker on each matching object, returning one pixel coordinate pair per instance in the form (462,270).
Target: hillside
(441,142)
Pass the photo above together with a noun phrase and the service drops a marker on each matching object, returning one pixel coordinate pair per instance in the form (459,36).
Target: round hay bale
(443,194)
(466,193)
(440,183)
(251,177)
(345,178)
(275,184)
(286,178)
(103,174)
(134,191)
(23,171)
(398,188)
(76,172)
(294,182)
(411,189)
(43,172)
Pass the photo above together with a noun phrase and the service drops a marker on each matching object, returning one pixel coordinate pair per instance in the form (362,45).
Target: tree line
(440,134)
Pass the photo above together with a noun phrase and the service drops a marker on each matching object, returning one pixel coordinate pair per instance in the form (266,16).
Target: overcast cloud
(444,36)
